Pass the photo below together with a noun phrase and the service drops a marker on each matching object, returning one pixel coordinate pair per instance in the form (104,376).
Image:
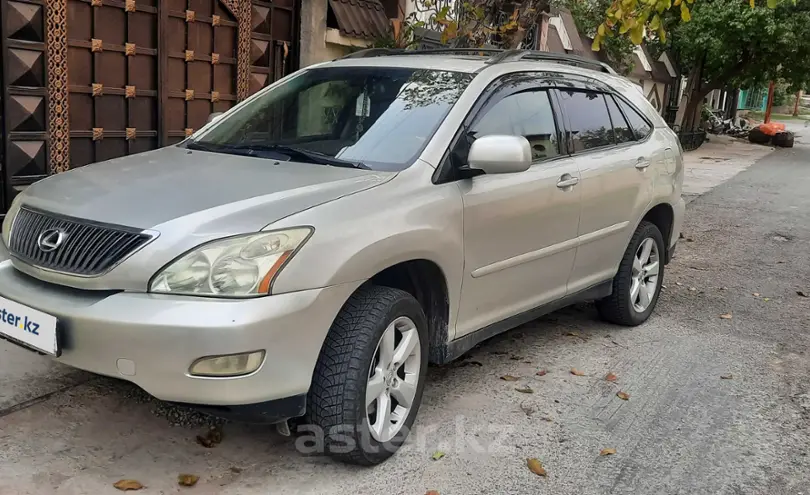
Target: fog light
(230,365)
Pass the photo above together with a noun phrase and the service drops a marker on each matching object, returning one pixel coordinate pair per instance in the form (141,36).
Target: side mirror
(214,116)
(500,154)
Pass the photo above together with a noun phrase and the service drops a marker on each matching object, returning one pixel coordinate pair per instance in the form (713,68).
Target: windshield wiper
(302,154)
(294,153)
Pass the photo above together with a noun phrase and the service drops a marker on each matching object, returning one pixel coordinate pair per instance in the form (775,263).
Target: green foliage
(745,47)
(632,18)
(589,15)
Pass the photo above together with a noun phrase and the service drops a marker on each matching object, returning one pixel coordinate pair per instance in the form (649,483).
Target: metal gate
(23,99)
(90,80)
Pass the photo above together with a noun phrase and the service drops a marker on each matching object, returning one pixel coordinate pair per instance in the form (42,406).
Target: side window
(526,114)
(588,115)
(637,122)
(621,129)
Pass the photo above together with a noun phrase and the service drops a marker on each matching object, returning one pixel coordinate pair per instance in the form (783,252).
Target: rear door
(616,182)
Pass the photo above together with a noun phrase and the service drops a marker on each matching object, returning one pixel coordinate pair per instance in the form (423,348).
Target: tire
(756,136)
(783,139)
(618,308)
(336,404)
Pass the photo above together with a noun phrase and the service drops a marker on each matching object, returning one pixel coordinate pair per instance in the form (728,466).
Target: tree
(730,44)
(589,15)
(504,23)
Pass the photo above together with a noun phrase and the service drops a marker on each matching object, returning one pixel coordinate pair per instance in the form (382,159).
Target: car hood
(225,193)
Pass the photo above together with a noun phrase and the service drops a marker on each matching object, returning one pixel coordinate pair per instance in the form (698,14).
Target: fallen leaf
(607,451)
(723,288)
(693,289)
(541,373)
(526,390)
(755,294)
(212,438)
(577,372)
(437,455)
(689,239)
(611,377)
(126,485)
(546,418)
(236,470)
(623,395)
(766,299)
(726,377)
(432,492)
(509,378)
(515,358)
(678,283)
(803,293)
(726,316)
(536,467)
(187,479)
(572,334)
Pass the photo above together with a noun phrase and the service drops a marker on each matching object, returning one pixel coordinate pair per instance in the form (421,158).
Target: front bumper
(151,340)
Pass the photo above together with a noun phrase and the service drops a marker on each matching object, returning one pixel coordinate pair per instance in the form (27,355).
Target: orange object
(772,128)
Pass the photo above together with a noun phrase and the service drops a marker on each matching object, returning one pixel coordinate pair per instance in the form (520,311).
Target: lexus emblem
(50,240)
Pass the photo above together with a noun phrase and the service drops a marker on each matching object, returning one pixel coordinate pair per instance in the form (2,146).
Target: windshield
(374,117)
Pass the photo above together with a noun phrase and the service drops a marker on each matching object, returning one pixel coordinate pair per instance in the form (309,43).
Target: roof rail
(516,55)
(496,56)
(380,52)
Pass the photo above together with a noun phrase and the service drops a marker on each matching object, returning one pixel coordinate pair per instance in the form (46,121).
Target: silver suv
(308,253)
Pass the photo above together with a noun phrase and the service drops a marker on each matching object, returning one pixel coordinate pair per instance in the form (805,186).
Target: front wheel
(637,284)
(368,382)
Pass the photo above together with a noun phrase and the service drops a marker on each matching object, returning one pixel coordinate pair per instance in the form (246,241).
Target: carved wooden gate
(89,80)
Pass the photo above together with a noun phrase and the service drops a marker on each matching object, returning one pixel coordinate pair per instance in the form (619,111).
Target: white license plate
(28,326)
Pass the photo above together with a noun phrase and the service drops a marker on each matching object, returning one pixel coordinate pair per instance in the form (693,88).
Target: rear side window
(637,122)
(589,119)
(526,114)
(621,129)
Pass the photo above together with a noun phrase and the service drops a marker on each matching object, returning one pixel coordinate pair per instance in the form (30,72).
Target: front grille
(87,249)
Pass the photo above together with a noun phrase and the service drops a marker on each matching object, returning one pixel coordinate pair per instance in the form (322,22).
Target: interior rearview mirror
(497,154)
(214,116)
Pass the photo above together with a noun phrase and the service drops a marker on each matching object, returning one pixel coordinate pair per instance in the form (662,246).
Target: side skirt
(453,350)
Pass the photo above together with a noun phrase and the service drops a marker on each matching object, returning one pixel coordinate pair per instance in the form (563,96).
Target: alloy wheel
(646,266)
(393,379)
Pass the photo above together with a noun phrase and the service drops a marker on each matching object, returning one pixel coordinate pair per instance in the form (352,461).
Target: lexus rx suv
(306,254)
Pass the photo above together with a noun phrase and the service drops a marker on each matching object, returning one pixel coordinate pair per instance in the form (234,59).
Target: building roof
(360,18)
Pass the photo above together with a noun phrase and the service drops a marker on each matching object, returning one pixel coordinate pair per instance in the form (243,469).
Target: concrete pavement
(685,429)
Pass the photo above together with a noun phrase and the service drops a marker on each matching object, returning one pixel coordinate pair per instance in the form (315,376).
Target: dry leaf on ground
(525,390)
(577,372)
(187,479)
(803,293)
(607,451)
(755,294)
(127,485)
(726,377)
(509,378)
(611,377)
(236,470)
(437,455)
(623,395)
(726,316)
(432,492)
(541,373)
(536,467)
(767,299)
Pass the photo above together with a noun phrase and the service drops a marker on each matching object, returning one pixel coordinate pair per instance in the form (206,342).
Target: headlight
(12,212)
(242,266)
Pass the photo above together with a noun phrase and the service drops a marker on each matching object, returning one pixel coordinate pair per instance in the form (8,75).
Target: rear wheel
(368,382)
(637,284)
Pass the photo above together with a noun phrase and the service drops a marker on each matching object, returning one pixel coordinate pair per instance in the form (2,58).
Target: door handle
(567,181)
(642,163)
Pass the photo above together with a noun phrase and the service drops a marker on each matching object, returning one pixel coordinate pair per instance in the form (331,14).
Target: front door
(519,229)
